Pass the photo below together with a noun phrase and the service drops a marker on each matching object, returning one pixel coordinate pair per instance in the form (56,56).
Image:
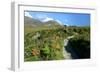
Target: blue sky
(69,19)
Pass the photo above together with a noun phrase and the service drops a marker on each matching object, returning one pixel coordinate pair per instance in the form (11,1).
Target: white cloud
(43,18)
(59,21)
(47,19)
(28,14)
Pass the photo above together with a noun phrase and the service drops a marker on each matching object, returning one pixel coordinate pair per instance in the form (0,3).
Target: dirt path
(68,52)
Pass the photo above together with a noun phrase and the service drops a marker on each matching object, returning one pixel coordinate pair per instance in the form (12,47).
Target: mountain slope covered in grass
(45,40)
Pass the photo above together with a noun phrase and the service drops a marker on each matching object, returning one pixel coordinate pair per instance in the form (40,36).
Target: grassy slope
(50,42)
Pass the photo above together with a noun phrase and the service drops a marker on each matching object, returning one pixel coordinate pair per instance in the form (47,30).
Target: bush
(81,45)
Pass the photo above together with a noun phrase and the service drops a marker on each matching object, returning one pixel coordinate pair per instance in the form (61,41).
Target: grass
(44,43)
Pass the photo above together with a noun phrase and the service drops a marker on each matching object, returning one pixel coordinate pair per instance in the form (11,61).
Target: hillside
(35,22)
(31,22)
(45,40)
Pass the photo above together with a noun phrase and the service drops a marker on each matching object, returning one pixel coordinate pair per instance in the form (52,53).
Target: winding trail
(68,53)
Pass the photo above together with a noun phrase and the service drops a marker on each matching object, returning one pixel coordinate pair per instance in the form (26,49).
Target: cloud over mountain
(43,18)
(47,19)
(28,14)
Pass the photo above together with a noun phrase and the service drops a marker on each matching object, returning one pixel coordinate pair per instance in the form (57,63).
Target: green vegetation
(47,43)
(45,40)
(81,43)
(44,44)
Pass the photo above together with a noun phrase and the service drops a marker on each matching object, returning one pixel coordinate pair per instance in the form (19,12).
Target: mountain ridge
(32,22)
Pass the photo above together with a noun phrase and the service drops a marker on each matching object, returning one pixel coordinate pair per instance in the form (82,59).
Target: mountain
(32,22)
(52,23)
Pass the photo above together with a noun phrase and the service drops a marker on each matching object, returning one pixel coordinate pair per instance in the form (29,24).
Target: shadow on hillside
(71,50)
(78,53)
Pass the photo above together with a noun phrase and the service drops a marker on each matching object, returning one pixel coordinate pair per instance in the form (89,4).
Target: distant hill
(31,22)
(52,23)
